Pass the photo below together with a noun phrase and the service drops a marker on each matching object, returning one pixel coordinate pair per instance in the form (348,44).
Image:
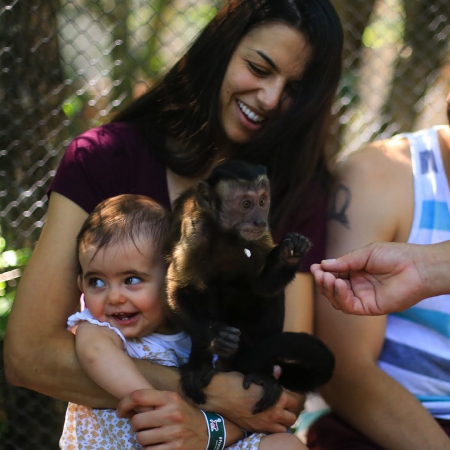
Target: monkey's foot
(194,380)
(294,247)
(227,342)
(271,387)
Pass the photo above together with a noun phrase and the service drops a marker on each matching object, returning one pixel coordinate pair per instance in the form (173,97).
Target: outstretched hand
(377,279)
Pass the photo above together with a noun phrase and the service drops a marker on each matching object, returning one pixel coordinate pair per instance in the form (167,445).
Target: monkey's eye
(96,283)
(246,204)
(262,201)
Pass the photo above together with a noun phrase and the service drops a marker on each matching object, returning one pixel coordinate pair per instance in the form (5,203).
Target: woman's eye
(132,280)
(293,89)
(257,70)
(96,283)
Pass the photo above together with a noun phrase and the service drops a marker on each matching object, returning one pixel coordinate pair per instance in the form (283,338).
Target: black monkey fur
(225,287)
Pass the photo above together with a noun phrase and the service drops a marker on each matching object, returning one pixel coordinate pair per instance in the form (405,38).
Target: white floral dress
(100,429)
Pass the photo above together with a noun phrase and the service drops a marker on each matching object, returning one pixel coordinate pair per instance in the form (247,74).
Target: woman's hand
(167,419)
(226,396)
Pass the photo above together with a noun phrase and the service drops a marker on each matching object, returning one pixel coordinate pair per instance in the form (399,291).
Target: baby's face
(122,285)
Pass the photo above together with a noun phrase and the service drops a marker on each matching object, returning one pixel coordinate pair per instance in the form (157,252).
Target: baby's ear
(80,283)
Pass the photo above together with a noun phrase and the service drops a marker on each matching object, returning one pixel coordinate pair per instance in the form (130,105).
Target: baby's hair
(122,218)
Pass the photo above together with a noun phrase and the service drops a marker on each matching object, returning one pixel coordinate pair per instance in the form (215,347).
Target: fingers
(167,422)
(143,399)
(315,267)
(346,300)
(325,284)
(318,273)
(295,402)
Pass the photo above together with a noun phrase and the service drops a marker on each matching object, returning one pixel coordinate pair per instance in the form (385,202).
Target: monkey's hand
(227,342)
(272,390)
(194,378)
(293,248)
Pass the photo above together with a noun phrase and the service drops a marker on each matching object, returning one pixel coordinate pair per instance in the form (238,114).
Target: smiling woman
(262,80)
(257,85)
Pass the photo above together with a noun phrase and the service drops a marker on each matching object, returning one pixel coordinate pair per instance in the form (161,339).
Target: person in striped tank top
(391,388)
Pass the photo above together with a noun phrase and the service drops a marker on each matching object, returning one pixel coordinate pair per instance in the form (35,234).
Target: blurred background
(66,65)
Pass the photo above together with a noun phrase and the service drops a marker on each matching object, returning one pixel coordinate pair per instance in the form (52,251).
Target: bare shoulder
(376,161)
(373,195)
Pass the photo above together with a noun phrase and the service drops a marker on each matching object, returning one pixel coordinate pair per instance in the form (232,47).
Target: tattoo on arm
(340,202)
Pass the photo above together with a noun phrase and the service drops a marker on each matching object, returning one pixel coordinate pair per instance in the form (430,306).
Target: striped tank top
(416,349)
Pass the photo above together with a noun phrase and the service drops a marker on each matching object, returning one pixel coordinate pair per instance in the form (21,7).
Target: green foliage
(386,30)
(72,106)
(201,15)
(11,265)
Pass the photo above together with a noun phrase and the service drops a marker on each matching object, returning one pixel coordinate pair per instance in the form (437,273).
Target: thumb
(276,372)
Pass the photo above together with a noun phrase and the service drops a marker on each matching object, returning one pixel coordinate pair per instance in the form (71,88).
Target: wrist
(217,433)
(436,267)
(216,398)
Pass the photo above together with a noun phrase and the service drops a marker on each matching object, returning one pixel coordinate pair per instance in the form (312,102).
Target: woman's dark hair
(185,103)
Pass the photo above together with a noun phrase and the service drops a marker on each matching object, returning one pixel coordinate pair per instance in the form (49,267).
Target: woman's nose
(270,94)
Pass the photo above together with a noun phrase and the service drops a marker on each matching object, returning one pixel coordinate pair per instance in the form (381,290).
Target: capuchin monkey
(225,288)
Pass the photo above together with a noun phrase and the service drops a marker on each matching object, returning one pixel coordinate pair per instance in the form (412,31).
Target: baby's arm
(101,355)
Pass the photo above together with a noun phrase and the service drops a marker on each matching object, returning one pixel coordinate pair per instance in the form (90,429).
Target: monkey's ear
(204,195)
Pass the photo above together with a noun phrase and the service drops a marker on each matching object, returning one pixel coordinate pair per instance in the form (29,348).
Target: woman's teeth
(249,113)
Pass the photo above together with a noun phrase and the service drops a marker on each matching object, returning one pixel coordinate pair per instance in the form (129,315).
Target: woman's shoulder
(108,138)
(109,160)
(113,146)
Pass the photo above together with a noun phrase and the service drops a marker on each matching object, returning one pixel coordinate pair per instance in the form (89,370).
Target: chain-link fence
(65,65)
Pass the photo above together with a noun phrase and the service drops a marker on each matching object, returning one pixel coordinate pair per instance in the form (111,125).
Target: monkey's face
(245,210)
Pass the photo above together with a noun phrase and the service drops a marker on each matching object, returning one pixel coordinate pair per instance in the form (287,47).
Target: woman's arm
(170,419)
(299,303)
(39,352)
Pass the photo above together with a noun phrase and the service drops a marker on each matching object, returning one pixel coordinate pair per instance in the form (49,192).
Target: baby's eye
(132,280)
(96,282)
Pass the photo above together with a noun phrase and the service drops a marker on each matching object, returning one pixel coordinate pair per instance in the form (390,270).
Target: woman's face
(261,80)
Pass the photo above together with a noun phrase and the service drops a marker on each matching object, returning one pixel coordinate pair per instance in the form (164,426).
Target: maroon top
(113,159)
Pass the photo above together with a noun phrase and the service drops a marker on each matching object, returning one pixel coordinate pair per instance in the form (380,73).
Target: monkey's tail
(306,362)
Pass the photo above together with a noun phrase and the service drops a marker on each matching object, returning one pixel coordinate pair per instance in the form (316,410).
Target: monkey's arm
(281,264)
